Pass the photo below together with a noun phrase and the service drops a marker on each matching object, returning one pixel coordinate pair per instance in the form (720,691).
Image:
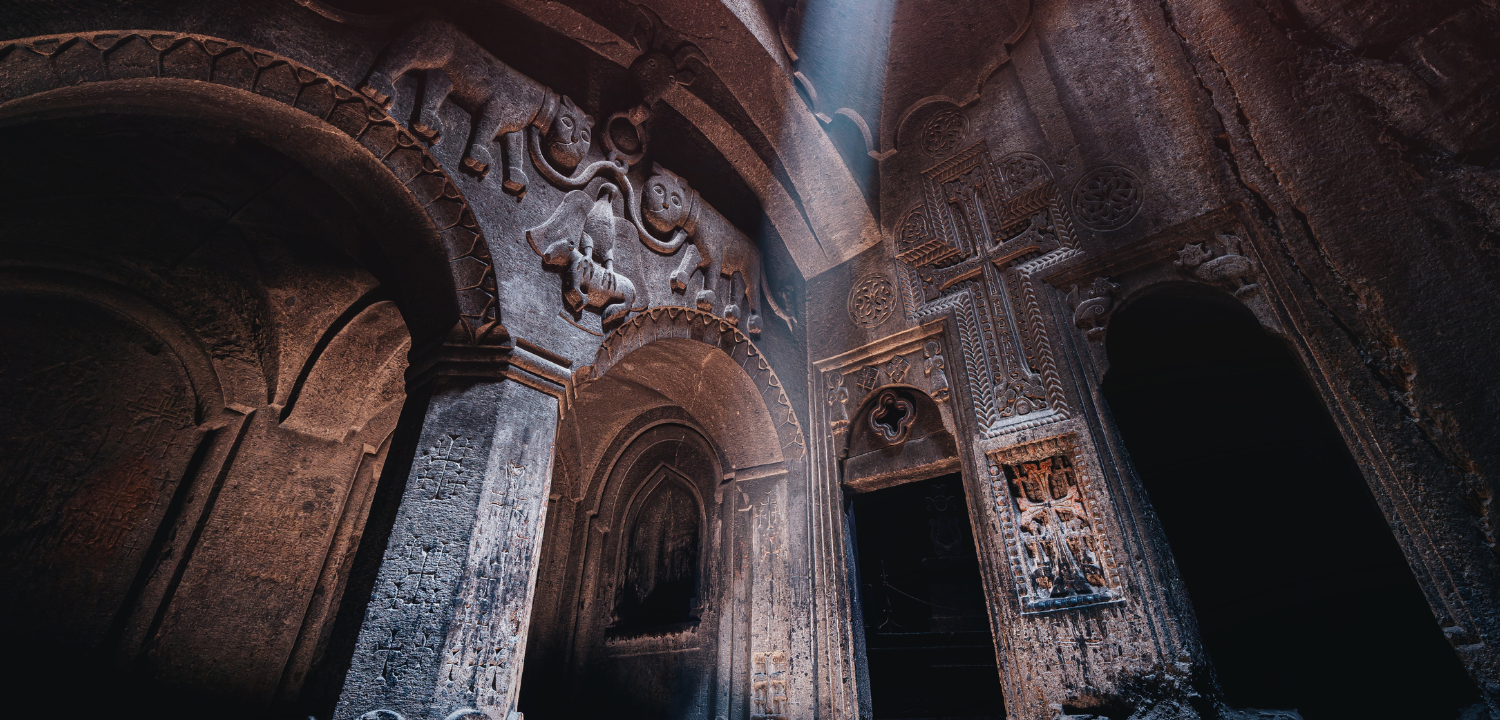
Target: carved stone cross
(971,247)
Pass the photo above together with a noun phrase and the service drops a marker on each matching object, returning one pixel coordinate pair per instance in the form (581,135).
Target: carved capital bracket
(520,360)
(1093,305)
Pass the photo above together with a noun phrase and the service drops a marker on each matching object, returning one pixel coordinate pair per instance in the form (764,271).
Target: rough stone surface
(668,283)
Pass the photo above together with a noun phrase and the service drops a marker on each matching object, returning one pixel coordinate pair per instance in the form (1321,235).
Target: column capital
(503,357)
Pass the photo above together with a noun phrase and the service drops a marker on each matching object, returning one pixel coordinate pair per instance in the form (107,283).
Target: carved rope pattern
(1000,313)
(34,65)
(660,323)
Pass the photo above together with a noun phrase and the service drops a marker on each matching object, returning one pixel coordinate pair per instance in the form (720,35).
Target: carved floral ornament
(1108,197)
(942,133)
(872,300)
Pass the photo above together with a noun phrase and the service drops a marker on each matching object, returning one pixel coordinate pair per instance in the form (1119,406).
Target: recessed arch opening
(234,333)
(633,587)
(1303,597)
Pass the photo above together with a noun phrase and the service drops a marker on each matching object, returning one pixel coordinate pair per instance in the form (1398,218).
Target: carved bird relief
(1228,267)
(580,239)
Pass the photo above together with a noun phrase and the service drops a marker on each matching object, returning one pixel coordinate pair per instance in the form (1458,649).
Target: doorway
(928,645)
(1303,597)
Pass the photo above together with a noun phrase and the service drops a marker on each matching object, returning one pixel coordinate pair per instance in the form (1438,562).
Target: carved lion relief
(670,206)
(603,206)
(502,102)
(1219,263)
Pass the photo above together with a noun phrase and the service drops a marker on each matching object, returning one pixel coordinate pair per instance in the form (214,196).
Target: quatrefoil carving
(892,417)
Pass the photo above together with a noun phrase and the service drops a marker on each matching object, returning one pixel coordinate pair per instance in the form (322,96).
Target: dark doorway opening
(1304,599)
(660,584)
(928,644)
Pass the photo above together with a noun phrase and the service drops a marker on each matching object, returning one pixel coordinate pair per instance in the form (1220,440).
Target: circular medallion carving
(1021,171)
(1107,197)
(943,132)
(913,230)
(871,300)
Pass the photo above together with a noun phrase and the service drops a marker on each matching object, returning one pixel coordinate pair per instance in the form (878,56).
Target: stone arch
(1208,401)
(682,324)
(203,376)
(633,500)
(664,371)
(292,108)
(1252,298)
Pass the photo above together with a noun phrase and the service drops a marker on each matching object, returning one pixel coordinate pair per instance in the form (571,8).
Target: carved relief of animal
(1092,306)
(670,206)
(579,239)
(502,101)
(1227,266)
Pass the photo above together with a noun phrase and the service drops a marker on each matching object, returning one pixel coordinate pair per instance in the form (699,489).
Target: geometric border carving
(1108,197)
(871,300)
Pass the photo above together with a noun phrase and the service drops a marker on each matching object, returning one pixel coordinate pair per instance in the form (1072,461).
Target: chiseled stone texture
(446,625)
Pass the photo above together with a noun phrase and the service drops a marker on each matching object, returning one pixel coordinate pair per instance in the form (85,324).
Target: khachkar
(974,247)
(1085,608)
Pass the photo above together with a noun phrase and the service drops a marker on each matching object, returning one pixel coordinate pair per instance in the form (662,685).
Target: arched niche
(631,594)
(676,411)
(700,363)
(1275,533)
(660,569)
(84,488)
(897,435)
(240,339)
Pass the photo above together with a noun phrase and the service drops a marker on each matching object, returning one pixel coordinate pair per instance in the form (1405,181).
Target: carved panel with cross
(984,229)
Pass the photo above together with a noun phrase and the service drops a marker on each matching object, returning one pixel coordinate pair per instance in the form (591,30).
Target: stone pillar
(444,635)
